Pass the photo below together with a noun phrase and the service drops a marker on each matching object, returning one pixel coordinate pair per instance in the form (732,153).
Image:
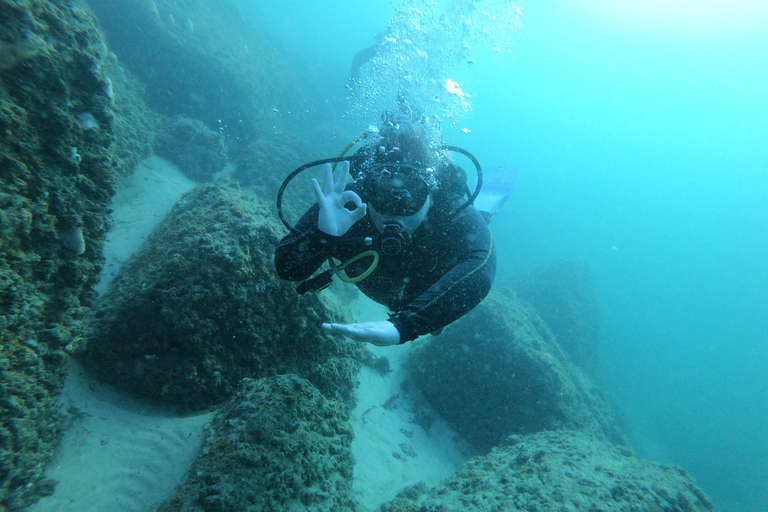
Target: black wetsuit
(443,271)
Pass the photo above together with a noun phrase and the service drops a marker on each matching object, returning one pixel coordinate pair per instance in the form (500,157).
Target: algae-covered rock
(135,123)
(262,163)
(499,371)
(278,444)
(199,152)
(198,308)
(563,471)
(57,175)
(563,295)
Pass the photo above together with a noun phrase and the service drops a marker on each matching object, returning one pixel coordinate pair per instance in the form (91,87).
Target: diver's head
(401,138)
(395,170)
(395,190)
(398,198)
(397,229)
(404,171)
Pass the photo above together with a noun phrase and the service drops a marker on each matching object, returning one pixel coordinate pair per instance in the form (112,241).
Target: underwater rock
(278,444)
(87,121)
(198,308)
(498,371)
(263,162)
(20,50)
(563,295)
(199,60)
(199,152)
(51,70)
(564,471)
(135,124)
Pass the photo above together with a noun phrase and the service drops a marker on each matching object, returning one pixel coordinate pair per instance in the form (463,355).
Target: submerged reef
(198,151)
(198,308)
(563,295)
(499,371)
(15,52)
(199,60)
(56,181)
(261,164)
(278,444)
(564,471)
(135,124)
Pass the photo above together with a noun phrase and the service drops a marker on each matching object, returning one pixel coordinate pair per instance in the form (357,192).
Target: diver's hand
(380,332)
(334,219)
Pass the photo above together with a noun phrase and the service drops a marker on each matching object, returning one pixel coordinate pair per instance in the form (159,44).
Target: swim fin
(498,183)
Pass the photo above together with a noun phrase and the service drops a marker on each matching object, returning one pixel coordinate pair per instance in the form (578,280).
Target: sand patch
(391,448)
(120,454)
(141,202)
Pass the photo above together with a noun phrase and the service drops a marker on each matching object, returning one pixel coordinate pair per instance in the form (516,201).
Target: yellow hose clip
(338,268)
(348,147)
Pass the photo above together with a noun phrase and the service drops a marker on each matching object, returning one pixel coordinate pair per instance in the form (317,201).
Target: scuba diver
(405,229)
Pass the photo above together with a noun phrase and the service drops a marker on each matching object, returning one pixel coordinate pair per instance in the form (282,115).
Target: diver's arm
(460,289)
(377,332)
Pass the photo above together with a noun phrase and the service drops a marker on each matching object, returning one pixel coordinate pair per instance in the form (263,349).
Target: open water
(640,132)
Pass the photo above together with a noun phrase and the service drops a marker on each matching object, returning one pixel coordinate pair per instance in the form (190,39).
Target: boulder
(498,371)
(198,308)
(198,151)
(564,471)
(278,444)
(564,297)
(60,155)
(199,60)
(263,163)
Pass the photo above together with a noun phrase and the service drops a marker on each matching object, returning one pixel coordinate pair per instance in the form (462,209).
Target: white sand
(120,455)
(141,202)
(124,455)
(391,450)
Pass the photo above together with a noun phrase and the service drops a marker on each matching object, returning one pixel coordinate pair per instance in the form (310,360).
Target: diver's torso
(419,263)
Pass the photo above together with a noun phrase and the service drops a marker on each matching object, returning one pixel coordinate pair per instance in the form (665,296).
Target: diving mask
(395,190)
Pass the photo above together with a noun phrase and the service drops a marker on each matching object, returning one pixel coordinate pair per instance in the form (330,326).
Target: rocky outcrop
(198,308)
(499,371)
(135,124)
(199,60)
(563,295)
(59,108)
(262,164)
(198,151)
(562,470)
(278,444)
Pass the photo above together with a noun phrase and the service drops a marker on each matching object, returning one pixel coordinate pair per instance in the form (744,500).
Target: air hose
(338,268)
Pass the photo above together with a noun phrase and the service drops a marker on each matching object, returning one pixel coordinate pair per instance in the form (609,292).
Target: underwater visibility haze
(640,131)
(150,138)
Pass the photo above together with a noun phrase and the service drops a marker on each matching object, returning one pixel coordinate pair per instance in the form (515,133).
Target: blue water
(641,137)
